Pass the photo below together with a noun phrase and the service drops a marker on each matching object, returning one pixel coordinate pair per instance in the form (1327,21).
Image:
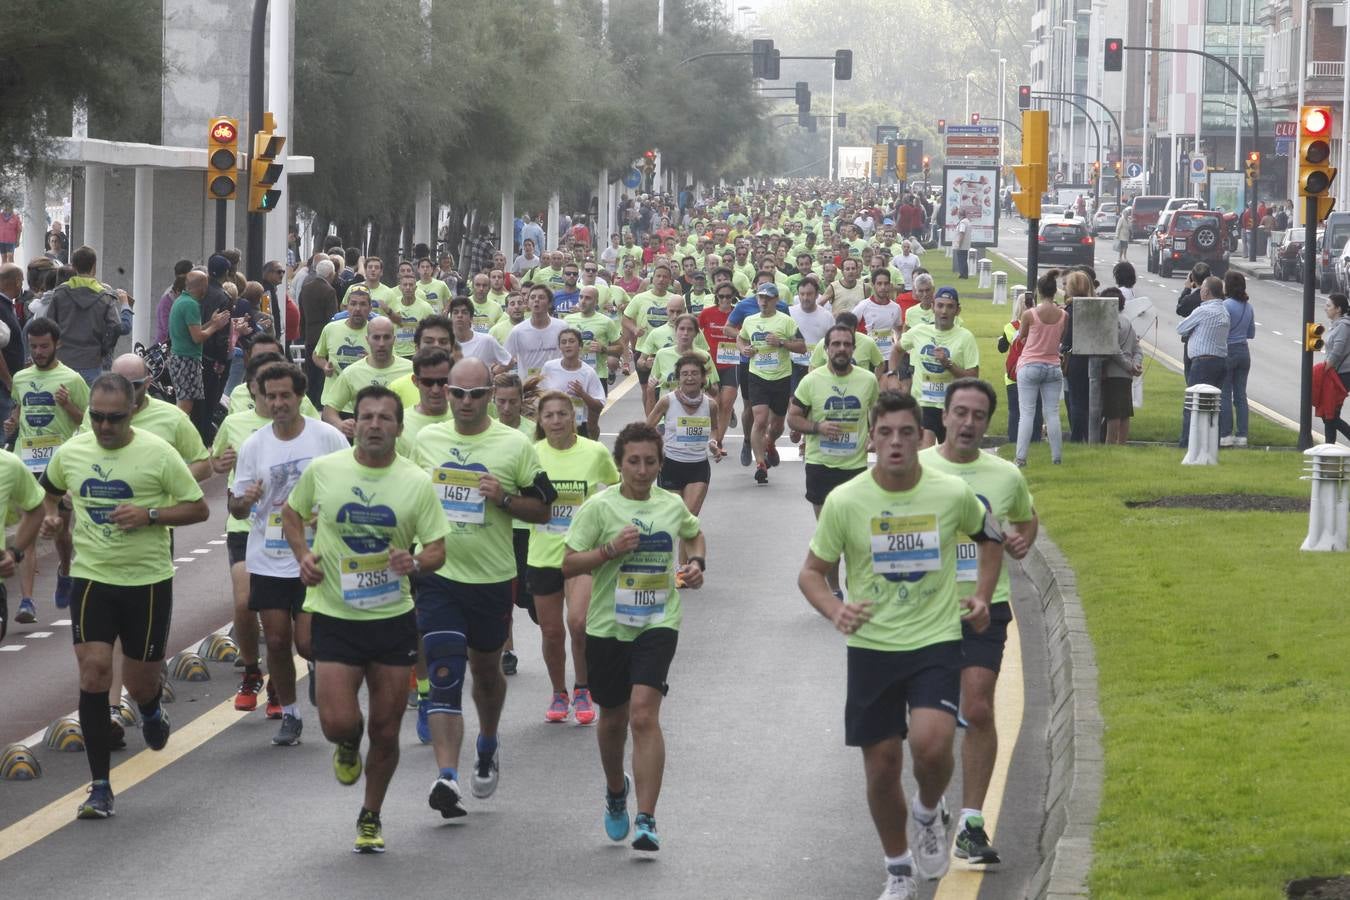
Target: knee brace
(447,654)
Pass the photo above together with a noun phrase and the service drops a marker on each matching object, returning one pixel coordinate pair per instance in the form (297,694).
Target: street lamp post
(966,121)
(1002,100)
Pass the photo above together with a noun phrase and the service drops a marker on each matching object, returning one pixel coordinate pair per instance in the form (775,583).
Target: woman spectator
(1124,224)
(1238,363)
(1039,377)
(1338,358)
(1118,374)
(1005,344)
(1125,278)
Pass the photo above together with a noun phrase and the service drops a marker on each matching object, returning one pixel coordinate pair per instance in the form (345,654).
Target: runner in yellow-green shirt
(768,338)
(577,467)
(406,313)
(380,367)
(970,406)
(19,490)
(343,342)
(128,488)
(370,508)
(641,545)
(49,401)
(896,528)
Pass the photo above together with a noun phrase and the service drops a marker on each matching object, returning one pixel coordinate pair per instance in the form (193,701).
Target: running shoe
(616,811)
(746,456)
(972,843)
(273,709)
(156,730)
(446,799)
(347,762)
(900,884)
(369,835)
(557,710)
(644,833)
(424,720)
(761,474)
(929,845)
(63,586)
(771,456)
(582,708)
(99,804)
(246,699)
(117,735)
(289,735)
(486,772)
(509,663)
(27,612)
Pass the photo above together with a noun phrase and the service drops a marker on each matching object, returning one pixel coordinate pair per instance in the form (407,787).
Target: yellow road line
(964,880)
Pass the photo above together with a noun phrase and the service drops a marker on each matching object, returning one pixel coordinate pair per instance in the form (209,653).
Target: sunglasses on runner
(111,418)
(473,393)
(435,382)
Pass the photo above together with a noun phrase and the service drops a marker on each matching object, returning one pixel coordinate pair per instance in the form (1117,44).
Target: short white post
(972,260)
(1000,288)
(1202,445)
(985,270)
(1328,468)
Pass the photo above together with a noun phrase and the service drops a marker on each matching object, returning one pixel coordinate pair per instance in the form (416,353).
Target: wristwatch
(417,566)
(153,514)
(505,502)
(702,563)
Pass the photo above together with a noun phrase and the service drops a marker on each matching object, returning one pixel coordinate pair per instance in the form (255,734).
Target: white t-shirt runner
(484,347)
(277,464)
(813,325)
(531,347)
(556,378)
(883,323)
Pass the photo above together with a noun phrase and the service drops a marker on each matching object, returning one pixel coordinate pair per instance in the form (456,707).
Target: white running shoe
(928,843)
(900,884)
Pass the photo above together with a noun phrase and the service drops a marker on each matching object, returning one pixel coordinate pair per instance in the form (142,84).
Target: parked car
(1151,260)
(1146,207)
(1177,203)
(1067,242)
(1192,236)
(1286,257)
(1105,218)
(1330,248)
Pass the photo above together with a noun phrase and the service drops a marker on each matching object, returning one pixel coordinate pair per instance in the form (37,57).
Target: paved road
(1276,351)
(761,798)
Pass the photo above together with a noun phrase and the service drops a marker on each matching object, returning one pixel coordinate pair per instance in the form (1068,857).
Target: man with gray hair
(1206,334)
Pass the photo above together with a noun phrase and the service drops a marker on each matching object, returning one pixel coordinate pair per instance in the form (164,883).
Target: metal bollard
(1203,442)
(984,269)
(1000,288)
(972,260)
(948,250)
(1328,468)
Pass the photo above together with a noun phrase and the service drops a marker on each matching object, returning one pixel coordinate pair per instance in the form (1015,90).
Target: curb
(1074,790)
(1259,271)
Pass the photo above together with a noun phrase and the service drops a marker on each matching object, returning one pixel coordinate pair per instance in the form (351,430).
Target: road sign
(1199,167)
(632,178)
(967,144)
(1134,170)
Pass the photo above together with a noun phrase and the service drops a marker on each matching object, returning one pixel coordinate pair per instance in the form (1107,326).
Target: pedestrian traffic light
(843,65)
(1253,167)
(1024,96)
(803,92)
(974,118)
(1315,172)
(1115,51)
(264,170)
(942,126)
(222,158)
(1312,336)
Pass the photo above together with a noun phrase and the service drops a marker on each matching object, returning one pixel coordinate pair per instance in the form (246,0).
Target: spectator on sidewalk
(1206,331)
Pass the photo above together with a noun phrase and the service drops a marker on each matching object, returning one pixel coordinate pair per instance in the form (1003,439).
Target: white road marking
(218,543)
(61,622)
(12,648)
(1277,333)
(186,559)
(202,550)
(39,634)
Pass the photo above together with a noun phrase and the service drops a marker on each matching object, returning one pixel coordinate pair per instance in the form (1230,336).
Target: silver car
(1104,219)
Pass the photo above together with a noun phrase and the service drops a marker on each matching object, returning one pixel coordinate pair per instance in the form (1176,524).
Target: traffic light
(648,163)
(264,170)
(803,92)
(222,158)
(901,161)
(1324,207)
(1115,52)
(843,65)
(1315,172)
(773,65)
(974,118)
(760,49)
(1032,173)
(1096,171)
(942,126)
(1312,336)
(1253,167)
(1116,166)
(1024,96)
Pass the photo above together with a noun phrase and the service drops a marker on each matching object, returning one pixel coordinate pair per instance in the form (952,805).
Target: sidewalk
(1259,268)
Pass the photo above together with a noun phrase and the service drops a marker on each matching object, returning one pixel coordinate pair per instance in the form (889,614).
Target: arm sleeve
(827,543)
(499,353)
(187,441)
(244,468)
(584,532)
(178,480)
(28,493)
(689,526)
(431,522)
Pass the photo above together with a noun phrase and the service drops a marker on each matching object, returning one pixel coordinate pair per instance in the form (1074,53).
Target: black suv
(1192,236)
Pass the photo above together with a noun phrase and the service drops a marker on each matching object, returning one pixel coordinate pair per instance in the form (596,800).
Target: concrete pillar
(142,287)
(95,186)
(551,226)
(423,226)
(506,235)
(34,214)
(280,18)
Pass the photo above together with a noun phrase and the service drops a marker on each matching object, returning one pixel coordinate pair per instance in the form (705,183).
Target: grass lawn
(1223,665)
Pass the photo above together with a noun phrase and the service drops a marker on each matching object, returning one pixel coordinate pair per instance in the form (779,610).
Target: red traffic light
(974,118)
(649,154)
(942,126)
(1113,58)
(223,132)
(1024,96)
(1316,121)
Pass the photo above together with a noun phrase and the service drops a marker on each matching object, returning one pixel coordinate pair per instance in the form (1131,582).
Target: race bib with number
(570,496)
(905,544)
(727,354)
(884,338)
(461,500)
(967,561)
(579,411)
(368,582)
(274,538)
(800,359)
(933,393)
(692,430)
(766,360)
(36,451)
(640,596)
(846,444)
